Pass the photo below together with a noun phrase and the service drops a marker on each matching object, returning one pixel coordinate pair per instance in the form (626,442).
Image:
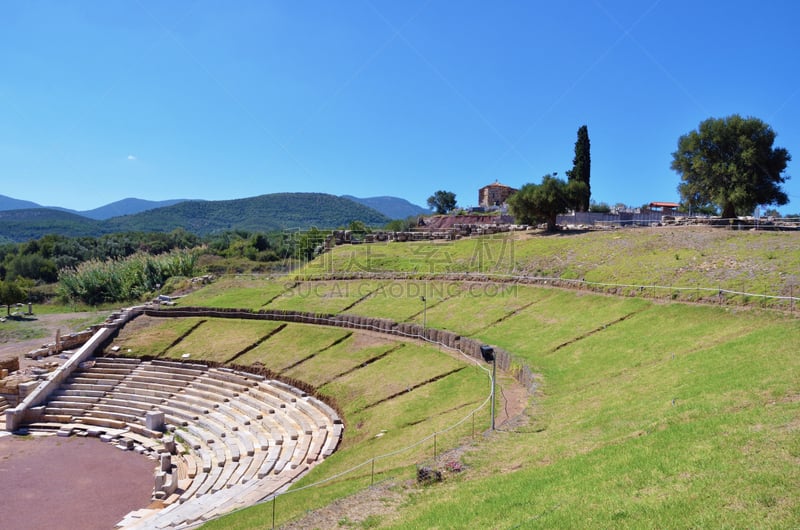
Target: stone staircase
(231,439)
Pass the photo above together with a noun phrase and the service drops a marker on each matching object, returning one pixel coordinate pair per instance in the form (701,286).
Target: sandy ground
(53,482)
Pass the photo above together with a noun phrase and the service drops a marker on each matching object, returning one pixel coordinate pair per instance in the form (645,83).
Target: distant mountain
(127,206)
(9,203)
(33,223)
(266,213)
(277,211)
(391,207)
(115,209)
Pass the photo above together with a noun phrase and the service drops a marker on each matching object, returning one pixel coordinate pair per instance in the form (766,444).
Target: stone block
(160,480)
(169,445)
(166,462)
(154,420)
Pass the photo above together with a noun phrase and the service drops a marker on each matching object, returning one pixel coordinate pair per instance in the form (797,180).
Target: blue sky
(214,100)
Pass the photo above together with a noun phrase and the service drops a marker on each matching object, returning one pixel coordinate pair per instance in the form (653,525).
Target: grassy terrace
(680,257)
(649,413)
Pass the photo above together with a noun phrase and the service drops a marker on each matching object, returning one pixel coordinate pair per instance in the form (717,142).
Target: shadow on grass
(19,318)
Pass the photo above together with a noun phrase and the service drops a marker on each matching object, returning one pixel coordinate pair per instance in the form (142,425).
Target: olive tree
(731,164)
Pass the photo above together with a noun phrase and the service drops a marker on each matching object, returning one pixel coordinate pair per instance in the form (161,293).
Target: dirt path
(49,323)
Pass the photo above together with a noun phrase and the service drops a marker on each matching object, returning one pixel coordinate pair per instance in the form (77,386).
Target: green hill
(264,213)
(33,223)
(277,211)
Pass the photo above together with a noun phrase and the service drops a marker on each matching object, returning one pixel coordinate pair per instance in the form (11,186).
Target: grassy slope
(755,262)
(649,414)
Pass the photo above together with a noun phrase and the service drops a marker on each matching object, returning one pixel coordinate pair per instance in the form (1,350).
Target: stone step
(63,411)
(70,404)
(155,383)
(93,386)
(107,371)
(142,391)
(102,422)
(66,391)
(174,374)
(117,361)
(180,365)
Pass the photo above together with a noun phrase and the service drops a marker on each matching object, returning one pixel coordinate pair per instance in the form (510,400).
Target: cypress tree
(578,176)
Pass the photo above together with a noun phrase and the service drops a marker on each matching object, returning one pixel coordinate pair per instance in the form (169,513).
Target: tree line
(126,266)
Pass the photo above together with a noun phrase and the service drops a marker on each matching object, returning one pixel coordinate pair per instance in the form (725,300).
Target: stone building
(495,194)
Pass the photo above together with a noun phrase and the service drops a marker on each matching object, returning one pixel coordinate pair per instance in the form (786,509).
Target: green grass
(326,297)
(613,450)
(15,329)
(688,257)
(409,365)
(291,344)
(237,292)
(220,339)
(342,357)
(155,340)
(646,413)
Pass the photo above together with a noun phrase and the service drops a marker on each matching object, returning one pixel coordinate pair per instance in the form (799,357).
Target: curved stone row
(231,439)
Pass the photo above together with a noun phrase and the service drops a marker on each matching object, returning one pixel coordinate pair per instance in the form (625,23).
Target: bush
(95,282)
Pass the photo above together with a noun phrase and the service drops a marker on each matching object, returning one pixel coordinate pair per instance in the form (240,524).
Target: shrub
(95,282)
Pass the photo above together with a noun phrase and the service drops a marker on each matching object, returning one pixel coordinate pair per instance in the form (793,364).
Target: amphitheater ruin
(222,439)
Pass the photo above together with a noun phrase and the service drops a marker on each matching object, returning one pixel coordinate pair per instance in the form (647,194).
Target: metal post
(434,448)
(274,500)
(494,383)
(372,476)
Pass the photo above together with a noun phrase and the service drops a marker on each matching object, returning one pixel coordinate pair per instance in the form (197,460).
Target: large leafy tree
(541,203)
(578,177)
(442,201)
(730,164)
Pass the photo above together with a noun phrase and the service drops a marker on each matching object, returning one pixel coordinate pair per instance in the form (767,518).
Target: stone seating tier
(246,436)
